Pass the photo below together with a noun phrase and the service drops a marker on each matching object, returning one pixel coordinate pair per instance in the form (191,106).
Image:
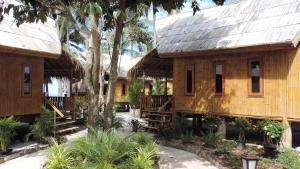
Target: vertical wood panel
(281,83)
(11,74)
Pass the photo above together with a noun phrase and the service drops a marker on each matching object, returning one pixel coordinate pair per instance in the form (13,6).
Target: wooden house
(241,59)
(29,56)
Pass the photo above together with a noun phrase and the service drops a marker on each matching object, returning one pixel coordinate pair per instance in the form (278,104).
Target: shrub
(273,131)
(211,139)
(212,122)
(225,147)
(289,159)
(235,161)
(142,139)
(134,92)
(43,127)
(7,131)
(105,150)
(243,125)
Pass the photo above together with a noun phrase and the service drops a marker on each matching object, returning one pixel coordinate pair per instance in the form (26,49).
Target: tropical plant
(158,87)
(7,131)
(289,159)
(272,130)
(211,139)
(212,122)
(134,92)
(59,158)
(104,150)
(225,147)
(43,127)
(117,122)
(243,125)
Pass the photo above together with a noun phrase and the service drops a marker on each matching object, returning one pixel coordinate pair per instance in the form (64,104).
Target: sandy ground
(170,158)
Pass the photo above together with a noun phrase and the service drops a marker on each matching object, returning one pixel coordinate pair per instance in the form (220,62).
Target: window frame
(223,63)
(22,80)
(261,77)
(192,68)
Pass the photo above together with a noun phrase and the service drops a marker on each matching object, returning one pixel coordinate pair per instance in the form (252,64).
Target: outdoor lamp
(249,161)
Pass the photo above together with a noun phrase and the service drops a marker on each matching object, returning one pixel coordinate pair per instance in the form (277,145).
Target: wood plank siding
(12,99)
(120,95)
(281,85)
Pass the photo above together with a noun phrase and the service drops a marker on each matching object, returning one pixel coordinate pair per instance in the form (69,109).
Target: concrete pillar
(222,129)
(287,134)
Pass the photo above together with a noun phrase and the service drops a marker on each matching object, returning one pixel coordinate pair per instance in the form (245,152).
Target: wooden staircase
(157,118)
(63,115)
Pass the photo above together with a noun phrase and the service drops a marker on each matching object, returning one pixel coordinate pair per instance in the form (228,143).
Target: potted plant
(273,131)
(7,132)
(242,125)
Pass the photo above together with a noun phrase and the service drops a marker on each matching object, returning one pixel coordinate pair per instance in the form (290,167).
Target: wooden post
(144,83)
(222,129)
(287,134)
(166,87)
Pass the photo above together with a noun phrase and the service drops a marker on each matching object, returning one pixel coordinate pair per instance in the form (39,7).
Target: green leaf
(98,9)
(117,14)
(90,8)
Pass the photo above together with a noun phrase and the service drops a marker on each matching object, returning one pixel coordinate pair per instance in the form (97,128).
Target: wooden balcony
(153,102)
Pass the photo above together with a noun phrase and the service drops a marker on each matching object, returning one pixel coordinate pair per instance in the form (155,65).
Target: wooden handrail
(162,108)
(56,110)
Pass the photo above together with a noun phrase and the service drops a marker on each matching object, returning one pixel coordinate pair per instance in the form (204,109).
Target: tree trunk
(92,72)
(108,111)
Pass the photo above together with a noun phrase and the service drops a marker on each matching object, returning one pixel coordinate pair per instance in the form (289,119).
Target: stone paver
(172,158)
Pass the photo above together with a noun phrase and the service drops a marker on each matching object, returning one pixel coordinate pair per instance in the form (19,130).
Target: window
(189,79)
(26,81)
(219,78)
(255,77)
(123,89)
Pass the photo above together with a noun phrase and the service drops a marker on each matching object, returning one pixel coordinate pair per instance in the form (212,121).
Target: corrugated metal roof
(242,24)
(37,37)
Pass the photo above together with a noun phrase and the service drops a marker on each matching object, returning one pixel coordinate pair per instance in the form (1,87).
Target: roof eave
(26,52)
(242,49)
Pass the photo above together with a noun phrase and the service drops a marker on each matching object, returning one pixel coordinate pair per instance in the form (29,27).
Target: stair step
(67,130)
(65,123)
(149,127)
(149,120)
(159,114)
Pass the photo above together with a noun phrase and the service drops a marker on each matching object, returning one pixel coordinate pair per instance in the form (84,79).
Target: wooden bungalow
(241,59)
(29,55)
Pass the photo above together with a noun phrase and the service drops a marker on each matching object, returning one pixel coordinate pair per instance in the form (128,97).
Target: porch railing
(63,103)
(151,102)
